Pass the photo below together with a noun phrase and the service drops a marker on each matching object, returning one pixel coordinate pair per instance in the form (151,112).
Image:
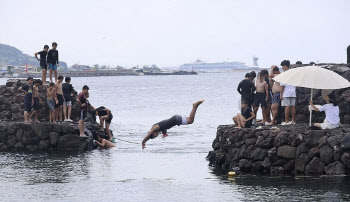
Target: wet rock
(280,162)
(72,143)
(18,146)
(259,154)
(11,141)
(322,141)
(326,154)
(267,163)
(295,139)
(250,141)
(272,153)
(302,148)
(267,143)
(3,137)
(336,168)
(3,147)
(289,166)
(315,167)
(276,170)
(345,158)
(42,130)
(311,139)
(345,142)
(333,140)
(259,140)
(313,152)
(281,139)
(44,144)
(32,148)
(257,166)
(245,164)
(286,151)
(301,162)
(54,138)
(27,139)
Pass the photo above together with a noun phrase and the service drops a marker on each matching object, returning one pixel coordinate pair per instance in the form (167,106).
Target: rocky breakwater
(282,150)
(15,135)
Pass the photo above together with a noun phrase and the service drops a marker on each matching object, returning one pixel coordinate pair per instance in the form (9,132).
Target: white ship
(200,66)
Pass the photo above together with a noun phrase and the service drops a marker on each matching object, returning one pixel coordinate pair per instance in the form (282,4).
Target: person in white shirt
(288,96)
(331,109)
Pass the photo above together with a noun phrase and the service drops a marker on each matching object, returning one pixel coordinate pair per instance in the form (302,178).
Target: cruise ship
(229,66)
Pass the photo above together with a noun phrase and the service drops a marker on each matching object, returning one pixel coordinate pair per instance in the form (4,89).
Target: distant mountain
(12,56)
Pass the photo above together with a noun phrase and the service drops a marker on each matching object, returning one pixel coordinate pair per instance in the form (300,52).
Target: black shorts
(43,66)
(82,114)
(110,118)
(260,99)
(60,100)
(36,103)
(246,99)
(28,104)
(248,124)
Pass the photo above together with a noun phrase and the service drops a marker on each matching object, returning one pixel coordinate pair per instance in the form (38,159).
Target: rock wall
(45,136)
(283,150)
(342,95)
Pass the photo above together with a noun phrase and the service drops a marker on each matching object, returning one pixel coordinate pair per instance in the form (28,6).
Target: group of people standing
(60,98)
(262,91)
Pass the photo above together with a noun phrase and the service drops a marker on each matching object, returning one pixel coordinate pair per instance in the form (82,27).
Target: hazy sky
(173,32)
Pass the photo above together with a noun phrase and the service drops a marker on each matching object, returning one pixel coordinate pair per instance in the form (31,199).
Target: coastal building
(77,67)
(227,66)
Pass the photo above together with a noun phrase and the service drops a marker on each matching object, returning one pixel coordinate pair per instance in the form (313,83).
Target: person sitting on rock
(36,100)
(103,143)
(164,125)
(51,100)
(244,120)
(331,109)
(105,116)
(28,90)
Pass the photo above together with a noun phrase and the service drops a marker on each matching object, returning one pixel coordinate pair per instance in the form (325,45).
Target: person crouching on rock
(51,100)
(244,120)
(105,116)
(331,109)
(164,125)
(103,143)
(82,102)
(28,91)
(36,100)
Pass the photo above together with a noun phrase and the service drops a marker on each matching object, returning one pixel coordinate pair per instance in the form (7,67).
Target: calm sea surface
(169,169)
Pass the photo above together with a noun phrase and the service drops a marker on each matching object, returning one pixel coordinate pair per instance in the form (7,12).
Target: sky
(174,32)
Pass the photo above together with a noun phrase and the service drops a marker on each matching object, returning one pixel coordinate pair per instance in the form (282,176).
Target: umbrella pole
(311,108)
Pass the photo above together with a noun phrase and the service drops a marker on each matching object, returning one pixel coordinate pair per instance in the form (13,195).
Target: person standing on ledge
(60,98)
(28,96)
(67,89)
(51,100)
(276,94)
(36,100)
(245,88)
(43,62)
(82,102)
(52,60)
(288,97)
(261,96)
(332,119)
(164,125)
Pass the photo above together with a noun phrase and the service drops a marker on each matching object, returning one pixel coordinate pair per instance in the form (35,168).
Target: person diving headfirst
(164,125)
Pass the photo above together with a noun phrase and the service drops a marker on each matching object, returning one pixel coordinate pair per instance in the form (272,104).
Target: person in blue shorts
(52,60)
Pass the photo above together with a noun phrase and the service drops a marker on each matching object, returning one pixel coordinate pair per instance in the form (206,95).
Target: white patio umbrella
(312,77)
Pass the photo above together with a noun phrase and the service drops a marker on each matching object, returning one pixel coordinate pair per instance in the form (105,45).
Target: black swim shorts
(60,100)
(36,103)
(28,104)
(260,99)
(109,120)
(43,65)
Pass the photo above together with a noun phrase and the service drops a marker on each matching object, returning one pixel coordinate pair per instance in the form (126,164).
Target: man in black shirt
(246,88)
(164,125)
(52,60)
(105,116)
(43,62)
(28,97)
(67,89)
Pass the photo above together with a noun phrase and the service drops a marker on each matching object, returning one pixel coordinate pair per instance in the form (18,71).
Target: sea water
(169,169)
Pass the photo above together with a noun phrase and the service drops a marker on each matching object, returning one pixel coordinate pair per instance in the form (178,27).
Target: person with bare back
(261,96)
(164,125)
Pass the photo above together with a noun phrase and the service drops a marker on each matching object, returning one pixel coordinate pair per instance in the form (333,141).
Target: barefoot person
(28,97)
(164,125)
(36,100)
(331,109)
(60,98)
(105,116)
(261,96)
(67,89)
(52,60)
(103,143)
(43,62)
(244,120)
(276,94)
(51,101)
(82,102)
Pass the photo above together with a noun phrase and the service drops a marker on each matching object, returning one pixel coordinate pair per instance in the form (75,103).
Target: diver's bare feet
(196,104)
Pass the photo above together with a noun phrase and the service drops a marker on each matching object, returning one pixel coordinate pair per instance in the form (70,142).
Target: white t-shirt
(289,91)
(332,113)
